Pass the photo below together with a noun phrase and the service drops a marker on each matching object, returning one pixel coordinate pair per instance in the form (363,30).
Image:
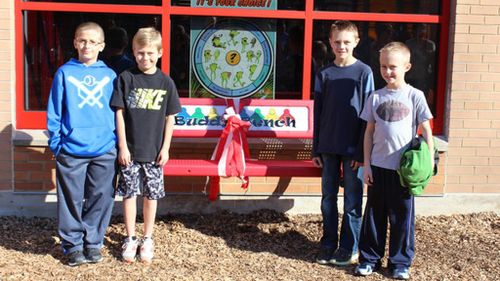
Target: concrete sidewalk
(44,205)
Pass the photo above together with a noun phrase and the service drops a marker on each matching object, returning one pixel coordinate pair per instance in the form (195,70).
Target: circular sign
(232,59)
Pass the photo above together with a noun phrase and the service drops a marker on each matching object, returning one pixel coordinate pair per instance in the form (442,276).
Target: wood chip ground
(263,245)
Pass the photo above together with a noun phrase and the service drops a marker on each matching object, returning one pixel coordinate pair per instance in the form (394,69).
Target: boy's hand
(163,157)
(124,157)
(355,165)
(317,162)
(367,175)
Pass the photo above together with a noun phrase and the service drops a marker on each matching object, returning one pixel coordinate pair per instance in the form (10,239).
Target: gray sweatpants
(85,197)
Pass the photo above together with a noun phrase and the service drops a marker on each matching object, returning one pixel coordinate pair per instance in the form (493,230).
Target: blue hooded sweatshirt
(79,118)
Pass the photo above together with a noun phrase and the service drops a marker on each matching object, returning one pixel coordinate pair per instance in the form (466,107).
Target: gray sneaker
(93,255)
(76,258)
(343,257)
(401,273)
(365,269)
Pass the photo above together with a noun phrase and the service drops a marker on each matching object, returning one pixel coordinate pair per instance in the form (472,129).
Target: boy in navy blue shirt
(340,91)
(81,126)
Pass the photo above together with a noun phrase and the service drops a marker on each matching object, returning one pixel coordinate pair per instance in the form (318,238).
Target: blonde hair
(397,47)
(147,36)
(344,25)
(89,25)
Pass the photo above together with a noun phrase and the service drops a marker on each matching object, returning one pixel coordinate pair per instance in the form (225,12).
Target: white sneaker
(147,250)
(129,249)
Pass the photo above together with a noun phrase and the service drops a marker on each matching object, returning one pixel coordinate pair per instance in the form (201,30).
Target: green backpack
(415,170)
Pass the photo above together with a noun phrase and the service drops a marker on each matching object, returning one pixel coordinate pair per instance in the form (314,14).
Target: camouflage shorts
(141,178)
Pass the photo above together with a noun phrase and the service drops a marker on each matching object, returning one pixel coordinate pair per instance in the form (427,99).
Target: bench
(292,119)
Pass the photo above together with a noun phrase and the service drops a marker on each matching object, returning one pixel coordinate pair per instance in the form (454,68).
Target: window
(295,32)
(421,38)
(372,6)
(49,44)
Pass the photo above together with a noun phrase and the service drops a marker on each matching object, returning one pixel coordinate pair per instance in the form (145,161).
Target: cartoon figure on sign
(244,44)
(224,77)
(213,68)
(212,113)
(252,69)
(216,55)
(257,116)
(286,115)
(232,34)
(250,56)
(237,79)
(207,54)
(253,41)
(198,114)
(271,115)
(244,115)
(183,114)
(217,42)
(258,54)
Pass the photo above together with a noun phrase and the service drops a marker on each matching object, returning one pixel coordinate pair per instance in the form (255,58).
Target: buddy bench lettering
(199,118)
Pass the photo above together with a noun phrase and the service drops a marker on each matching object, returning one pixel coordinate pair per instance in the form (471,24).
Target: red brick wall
(35,169)
(474,154)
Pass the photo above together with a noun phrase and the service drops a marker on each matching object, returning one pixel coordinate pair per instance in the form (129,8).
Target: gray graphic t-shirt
(396,114)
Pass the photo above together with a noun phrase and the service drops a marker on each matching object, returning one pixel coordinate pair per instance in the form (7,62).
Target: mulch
(263,245)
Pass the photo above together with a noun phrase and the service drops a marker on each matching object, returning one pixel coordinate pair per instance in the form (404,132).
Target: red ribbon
(231,152)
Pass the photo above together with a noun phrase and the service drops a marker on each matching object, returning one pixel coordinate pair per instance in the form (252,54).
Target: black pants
(388,201)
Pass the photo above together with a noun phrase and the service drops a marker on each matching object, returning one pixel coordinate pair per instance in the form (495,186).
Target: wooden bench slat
(272,168)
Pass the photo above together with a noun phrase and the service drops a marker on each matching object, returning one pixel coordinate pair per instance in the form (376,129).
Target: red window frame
(37,119)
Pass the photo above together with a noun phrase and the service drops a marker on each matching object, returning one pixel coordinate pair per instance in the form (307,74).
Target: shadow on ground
(259,231)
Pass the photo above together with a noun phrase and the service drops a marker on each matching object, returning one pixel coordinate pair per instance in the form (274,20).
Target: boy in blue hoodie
(82,137)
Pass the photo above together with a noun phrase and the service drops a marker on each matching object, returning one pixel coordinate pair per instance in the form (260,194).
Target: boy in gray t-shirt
(392,115)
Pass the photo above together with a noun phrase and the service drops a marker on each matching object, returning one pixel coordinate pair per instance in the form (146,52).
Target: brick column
(6,92)
(474,145)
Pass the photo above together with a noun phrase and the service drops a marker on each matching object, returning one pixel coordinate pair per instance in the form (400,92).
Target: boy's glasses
(81,43)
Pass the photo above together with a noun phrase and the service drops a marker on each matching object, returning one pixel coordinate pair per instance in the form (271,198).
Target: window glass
(49,44)
(126,2)
(226,57)
(389,6)
(298,5)
(422,39)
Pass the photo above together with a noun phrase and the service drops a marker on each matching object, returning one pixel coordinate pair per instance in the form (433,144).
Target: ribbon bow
(230,152)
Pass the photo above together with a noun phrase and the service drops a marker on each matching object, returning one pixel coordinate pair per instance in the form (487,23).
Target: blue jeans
(353,199)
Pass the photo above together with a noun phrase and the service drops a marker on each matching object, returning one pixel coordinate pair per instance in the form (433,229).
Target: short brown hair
(344,25)
(397,47)
(89,25)
(147,36)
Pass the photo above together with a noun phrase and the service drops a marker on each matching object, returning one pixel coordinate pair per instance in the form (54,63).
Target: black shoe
(76,258)
(343,257)
(325,255)
(93,255)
